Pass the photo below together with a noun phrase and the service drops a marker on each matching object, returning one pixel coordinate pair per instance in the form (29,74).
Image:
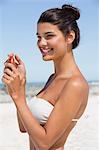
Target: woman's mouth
(46,51)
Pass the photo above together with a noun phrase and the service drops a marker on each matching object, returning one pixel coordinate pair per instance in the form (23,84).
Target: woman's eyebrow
(48,32)
(45,33)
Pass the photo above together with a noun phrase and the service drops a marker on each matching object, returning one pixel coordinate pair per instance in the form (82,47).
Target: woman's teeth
(46,51)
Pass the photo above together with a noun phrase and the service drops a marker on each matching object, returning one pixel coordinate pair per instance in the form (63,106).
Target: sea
(41,84)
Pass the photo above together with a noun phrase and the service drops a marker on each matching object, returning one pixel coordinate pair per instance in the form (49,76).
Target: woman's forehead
(46,28)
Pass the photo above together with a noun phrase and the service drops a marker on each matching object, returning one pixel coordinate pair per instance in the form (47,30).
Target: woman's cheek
(56,39)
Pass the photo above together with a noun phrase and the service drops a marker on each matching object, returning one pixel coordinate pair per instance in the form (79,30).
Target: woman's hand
(14,78)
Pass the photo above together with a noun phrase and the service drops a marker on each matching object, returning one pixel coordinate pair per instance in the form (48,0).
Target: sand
(85,135)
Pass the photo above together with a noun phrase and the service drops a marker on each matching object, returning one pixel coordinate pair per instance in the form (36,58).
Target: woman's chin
(46,57)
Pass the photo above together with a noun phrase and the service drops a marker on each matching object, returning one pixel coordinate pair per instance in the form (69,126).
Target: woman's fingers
(11,54)
(8,72)
(6,76)
(5,81)
(7,61)
(18,59)
(10,67)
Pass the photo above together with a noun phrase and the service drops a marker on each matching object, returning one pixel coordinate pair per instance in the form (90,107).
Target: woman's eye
(49,36)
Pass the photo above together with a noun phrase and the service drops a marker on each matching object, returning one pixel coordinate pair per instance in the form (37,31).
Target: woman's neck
(66,65)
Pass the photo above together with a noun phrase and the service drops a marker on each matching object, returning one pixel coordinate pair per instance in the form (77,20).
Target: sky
(18,27)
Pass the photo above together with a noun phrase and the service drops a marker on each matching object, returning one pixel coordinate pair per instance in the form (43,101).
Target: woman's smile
(46,51)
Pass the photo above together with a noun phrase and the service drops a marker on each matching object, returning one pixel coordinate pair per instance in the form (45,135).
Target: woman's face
(51,41)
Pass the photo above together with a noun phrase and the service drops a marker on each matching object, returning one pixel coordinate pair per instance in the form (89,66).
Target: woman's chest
(53,90)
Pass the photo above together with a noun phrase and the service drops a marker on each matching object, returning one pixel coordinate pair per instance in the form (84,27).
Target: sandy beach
(85,136)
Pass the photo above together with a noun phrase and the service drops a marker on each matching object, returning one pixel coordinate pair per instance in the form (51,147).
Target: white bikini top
(41,109)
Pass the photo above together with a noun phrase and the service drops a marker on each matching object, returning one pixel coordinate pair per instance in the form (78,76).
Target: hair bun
(73,10)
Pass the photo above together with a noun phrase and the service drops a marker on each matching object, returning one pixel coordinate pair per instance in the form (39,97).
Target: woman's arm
(64,111)
(21,126)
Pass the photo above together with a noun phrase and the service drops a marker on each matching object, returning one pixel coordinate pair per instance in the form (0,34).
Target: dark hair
(65,18)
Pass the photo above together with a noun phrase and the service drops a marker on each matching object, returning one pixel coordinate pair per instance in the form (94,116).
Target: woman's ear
(70,37)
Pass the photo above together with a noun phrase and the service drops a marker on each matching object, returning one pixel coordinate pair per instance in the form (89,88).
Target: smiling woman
(50,116)
(56,26)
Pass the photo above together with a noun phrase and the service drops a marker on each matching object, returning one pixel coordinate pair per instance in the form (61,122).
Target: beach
(84,136)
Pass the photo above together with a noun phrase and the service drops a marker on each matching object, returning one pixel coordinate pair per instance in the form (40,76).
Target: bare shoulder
(78,82)
(76,87)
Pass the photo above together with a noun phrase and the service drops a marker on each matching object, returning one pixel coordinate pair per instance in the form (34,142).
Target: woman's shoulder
(76,90)
(78,82)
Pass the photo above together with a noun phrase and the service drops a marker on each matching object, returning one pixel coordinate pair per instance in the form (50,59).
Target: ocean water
(41,84)
(28,85)
(94,82)
(35,84)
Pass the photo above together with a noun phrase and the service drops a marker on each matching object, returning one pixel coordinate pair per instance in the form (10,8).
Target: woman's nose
(42,42)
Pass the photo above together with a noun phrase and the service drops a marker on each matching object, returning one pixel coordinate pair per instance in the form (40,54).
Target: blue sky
(18,22)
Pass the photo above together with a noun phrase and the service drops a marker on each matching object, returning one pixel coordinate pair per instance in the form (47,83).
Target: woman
(54,111)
